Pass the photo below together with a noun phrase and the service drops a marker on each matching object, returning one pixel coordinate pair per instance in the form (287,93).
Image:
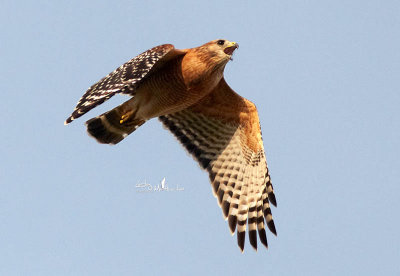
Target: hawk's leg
(114,125)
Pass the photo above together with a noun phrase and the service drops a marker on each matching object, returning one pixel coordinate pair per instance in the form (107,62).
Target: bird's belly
(159,97)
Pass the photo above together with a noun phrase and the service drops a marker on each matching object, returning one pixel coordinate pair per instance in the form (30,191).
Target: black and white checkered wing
(239,176)
(123,80)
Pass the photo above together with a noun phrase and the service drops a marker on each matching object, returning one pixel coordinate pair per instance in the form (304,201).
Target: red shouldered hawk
(186,90)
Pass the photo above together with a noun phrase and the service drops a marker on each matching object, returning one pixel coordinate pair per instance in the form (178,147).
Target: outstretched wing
(125,78)
(223,134)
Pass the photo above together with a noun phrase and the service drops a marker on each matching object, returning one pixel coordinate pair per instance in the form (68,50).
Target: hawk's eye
(221,42)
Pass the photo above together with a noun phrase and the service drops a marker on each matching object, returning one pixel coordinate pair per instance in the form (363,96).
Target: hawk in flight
(187,91)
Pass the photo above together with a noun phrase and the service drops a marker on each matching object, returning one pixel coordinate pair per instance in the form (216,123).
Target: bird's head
(217,52)
(221,49)
(207,60)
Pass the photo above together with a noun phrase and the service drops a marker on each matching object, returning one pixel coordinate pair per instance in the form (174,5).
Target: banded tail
(113,126)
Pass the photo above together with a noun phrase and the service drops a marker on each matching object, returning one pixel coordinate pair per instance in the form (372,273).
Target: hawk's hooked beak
(230,48)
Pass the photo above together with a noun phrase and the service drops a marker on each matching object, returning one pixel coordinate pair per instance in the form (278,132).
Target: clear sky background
(325,78)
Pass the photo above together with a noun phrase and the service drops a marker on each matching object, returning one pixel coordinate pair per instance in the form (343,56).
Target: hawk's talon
(125,117)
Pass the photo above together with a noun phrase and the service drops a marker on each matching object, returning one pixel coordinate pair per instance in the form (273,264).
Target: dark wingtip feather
(263,237)
(271,227)
(272,199)
(225,208)
(68,120)
(215,186)
(241,236)
(220,195)
(232,221)
(253,238)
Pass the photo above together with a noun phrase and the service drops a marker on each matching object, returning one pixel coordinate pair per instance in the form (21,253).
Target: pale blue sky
(325,78)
